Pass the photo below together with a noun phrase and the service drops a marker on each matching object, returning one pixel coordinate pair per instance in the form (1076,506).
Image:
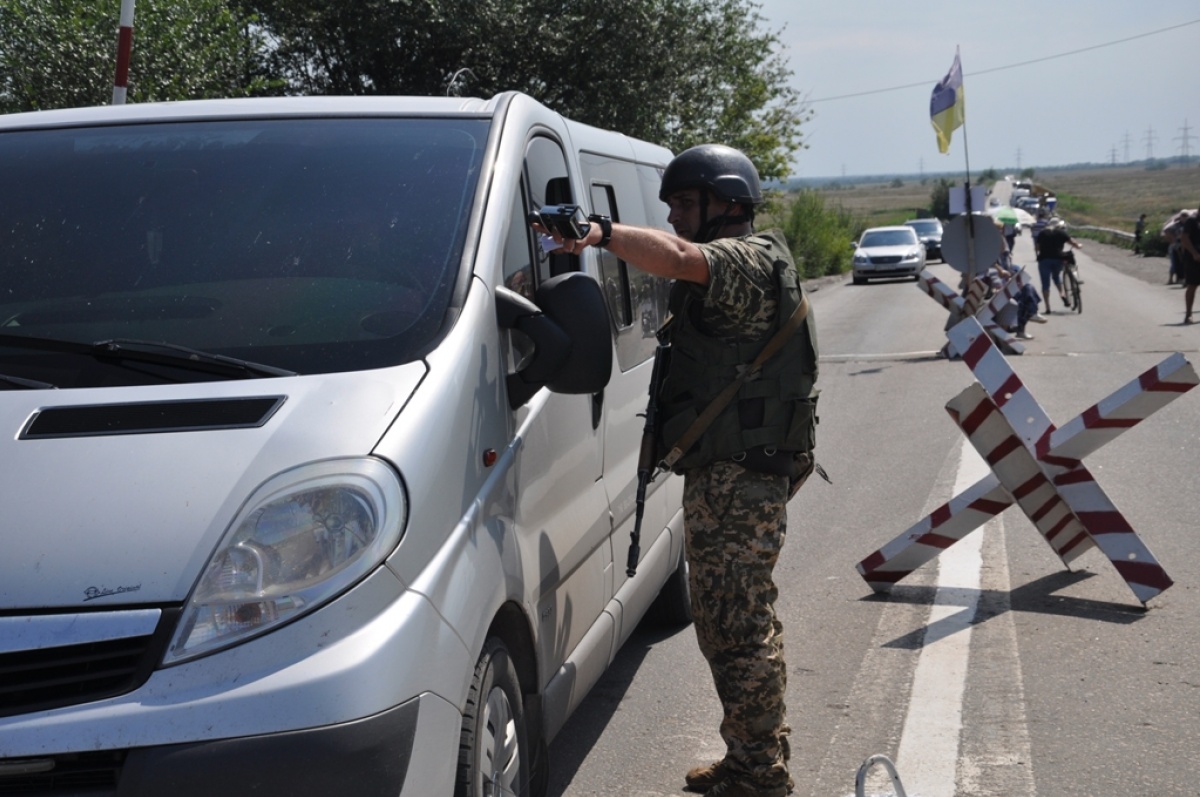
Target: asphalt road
(994,669)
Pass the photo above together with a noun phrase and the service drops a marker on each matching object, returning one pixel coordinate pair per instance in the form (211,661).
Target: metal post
(124,47)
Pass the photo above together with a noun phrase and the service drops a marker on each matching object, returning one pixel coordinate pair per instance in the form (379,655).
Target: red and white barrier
(973,304)
(1039,467)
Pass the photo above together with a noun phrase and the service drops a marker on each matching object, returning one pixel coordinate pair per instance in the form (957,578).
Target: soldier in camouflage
(733,290)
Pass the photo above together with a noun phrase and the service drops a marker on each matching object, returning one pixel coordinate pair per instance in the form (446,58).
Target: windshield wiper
(27,384)
(150,351)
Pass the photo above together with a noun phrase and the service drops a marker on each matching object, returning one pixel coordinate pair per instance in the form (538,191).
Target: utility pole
(1114,156)
(1184,150)
(1149,139)
(1127,146)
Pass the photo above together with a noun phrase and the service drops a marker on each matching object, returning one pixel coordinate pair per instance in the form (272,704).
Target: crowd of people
(1051,244)
(1054,245)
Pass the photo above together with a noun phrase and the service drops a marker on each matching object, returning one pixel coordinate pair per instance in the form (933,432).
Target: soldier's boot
(736,787)
(704,778)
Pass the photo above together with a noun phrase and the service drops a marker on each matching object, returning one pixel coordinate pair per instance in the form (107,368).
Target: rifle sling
(718,404)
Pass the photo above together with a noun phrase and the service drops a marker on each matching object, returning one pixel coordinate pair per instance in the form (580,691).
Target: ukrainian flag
(946,106)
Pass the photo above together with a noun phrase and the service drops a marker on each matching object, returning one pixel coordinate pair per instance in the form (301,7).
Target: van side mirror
(568,328)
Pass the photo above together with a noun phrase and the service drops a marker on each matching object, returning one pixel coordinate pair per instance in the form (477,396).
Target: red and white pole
(124,46)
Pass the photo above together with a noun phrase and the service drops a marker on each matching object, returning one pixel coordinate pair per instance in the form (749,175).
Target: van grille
(93,774)
(36,680)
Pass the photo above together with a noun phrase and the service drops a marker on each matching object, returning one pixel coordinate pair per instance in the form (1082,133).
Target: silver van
(318,473)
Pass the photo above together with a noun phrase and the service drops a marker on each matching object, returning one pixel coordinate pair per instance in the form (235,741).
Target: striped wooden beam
(1039,467)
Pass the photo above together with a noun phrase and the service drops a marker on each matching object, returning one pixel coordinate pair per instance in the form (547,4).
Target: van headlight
(303,538)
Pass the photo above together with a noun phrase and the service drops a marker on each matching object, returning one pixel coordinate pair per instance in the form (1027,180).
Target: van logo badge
(92,593)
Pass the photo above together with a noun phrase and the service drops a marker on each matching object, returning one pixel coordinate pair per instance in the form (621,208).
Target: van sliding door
(562,510)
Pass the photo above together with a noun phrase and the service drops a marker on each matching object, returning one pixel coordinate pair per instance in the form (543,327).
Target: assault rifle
(648,460)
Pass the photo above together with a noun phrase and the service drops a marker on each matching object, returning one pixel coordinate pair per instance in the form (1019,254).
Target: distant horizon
(1148,164)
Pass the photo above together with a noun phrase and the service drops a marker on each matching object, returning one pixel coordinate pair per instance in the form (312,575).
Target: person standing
(1172,231)
(1039,224)
(1052,242)
(1139,230)
(734,290)
(1189,256)
(1010,232)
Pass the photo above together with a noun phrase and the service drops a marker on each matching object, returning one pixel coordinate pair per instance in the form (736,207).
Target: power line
(926,83)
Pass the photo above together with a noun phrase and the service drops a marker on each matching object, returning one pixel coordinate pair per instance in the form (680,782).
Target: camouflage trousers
(735,522)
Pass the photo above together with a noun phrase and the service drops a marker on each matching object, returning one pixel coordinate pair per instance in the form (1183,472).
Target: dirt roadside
(1153,270)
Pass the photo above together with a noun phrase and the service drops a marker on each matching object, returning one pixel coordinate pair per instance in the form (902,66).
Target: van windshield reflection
(305,245)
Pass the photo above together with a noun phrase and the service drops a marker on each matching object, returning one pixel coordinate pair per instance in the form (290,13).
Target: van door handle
(597,407)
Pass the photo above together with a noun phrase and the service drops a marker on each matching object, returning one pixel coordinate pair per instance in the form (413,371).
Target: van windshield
(309,245)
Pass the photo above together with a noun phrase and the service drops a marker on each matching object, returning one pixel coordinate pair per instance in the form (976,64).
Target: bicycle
(1071,282)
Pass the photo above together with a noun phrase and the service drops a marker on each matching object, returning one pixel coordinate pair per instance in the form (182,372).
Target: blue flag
(946,106)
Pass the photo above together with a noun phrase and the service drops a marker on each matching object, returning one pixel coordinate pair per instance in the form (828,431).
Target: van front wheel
(493,748)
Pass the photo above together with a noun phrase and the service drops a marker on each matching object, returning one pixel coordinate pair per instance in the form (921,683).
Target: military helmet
(725,171)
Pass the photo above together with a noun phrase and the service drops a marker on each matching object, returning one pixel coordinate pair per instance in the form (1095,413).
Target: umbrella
(1024,217)
(1004,214)
(1179,218)
(1009,215)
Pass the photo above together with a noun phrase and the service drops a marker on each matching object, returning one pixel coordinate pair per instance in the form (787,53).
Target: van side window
(614,273)
(627,191)
(518,261)
(548,184)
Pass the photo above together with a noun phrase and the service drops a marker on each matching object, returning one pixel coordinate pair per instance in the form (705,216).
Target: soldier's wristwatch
(605,228)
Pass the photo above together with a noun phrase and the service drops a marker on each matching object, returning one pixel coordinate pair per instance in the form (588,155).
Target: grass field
(1104,197)
(880,204)
(1115,197)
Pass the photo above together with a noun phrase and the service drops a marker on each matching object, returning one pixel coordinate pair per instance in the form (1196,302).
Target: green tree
(62,53)
(820,236)
(939,199)
(677,72)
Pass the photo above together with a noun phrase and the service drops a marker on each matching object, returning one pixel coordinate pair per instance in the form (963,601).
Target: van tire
(495,733)
(673,606)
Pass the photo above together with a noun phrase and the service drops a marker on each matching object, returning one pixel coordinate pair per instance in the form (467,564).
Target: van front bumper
(331,697)
(367,757)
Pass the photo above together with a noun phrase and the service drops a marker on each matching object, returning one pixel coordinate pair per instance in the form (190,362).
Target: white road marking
(928,753)
(921,686)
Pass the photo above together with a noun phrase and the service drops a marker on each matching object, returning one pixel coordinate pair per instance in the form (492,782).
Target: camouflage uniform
(735,521)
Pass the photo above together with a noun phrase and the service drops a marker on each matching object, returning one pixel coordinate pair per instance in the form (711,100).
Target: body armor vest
(772,414)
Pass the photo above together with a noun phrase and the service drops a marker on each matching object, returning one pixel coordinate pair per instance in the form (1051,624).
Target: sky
(1119,99)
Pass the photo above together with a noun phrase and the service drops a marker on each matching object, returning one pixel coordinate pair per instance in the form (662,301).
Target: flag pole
(947,111)
(967,161)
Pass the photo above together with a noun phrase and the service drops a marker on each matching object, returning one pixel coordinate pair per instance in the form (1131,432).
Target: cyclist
(1051,244)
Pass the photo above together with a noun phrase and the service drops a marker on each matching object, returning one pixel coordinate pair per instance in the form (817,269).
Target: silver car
(888,252)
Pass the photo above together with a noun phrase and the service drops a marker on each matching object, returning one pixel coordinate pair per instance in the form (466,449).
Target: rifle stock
(648,460)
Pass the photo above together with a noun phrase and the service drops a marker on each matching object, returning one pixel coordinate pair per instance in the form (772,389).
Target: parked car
(319,472)
(930,233)
(888,252)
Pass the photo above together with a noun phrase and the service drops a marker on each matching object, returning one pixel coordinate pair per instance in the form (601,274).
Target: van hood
(118,496)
